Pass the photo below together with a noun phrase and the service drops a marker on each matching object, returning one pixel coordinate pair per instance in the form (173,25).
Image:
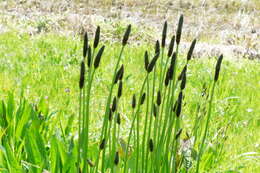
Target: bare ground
(227,27)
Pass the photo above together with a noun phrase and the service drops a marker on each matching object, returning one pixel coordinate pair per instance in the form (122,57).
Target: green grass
(45,70)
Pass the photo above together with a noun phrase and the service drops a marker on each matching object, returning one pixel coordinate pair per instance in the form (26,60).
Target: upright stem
(206,128)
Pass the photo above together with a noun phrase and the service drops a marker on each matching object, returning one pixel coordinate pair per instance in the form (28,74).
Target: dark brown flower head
(142,98)
(146,60)
(191,49)
(218,66)
(85,45)
(97,36)
(82,75)
(133,101)
(98,57)
(116,160)
(102,144)
(164,34)
(126,35)
(159,98)
(179,30)
(89,56)
(171,46)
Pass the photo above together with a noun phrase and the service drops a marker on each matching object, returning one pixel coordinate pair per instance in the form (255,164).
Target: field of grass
(39,90)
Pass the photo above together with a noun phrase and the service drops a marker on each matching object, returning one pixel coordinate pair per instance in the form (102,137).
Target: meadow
(130,106)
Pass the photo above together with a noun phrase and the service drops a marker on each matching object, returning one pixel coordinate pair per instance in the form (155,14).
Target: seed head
(182,72)
(157,48)
(171,46)
(152,63)
(179,30)
(191,49)
(114,105)
(119,91)
(183,81)
(85,45)
(98,57)
(142,99)
(146,60)
(102,144)
(119,74)
(218,66)
(97,36)
(82,75)
(116,161)
(154,111)
(164,34)
(89,56)
(159,98)
(167,77)
(118,119)
(178,110)
(151,145)
(133,101)
(126,36)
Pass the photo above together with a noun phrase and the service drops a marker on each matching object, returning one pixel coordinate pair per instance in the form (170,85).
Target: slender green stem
(79,130)
(145,124)
(104,126)
(133,123)
(206,128)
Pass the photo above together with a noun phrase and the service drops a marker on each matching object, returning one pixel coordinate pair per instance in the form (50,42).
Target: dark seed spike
(157,48)
(164,34)
(151,145)
(114,105)
(218,66)
(183,81)
(119,74)
(122,72)
(126,35)
(192,46)
(159,98)
(97,36)
(98,57)
(152,63)
(116,161)
(146,60)
(110,114)
(178,110)
(167,77)
(179,30)
(173,60)
(182,72)
(118,119)
(102,144)
(133,101)
(154,111)
(178,134)
(170,71)
(171,46)
(142,98)
(82,75)
(89,56)
(85,45)
(119,91)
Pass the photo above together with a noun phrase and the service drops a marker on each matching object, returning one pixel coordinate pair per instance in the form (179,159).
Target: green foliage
(39,131)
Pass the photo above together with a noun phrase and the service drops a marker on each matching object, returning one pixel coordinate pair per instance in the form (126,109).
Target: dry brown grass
(219,22)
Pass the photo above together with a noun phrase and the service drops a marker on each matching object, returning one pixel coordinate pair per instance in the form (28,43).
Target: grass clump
(159,122)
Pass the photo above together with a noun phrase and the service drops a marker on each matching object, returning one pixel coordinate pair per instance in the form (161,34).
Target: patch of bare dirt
(218,27)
